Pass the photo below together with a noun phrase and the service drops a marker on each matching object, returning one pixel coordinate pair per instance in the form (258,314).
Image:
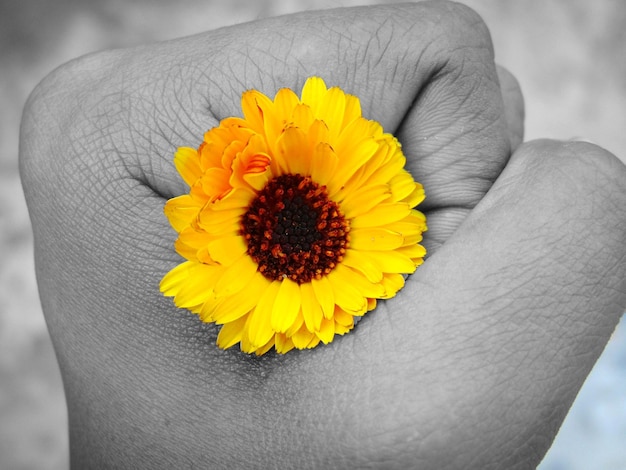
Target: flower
(300,215)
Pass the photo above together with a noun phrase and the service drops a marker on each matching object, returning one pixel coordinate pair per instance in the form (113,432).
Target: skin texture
(473,365)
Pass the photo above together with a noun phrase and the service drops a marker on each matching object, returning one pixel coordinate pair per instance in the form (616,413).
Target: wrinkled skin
(473,365)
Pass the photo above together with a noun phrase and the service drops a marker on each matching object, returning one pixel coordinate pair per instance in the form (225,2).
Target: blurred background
(569,55)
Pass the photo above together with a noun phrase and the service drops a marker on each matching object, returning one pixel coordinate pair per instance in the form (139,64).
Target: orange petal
(294,151)
(187,163)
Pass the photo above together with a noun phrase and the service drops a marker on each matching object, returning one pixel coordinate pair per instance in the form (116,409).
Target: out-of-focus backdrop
(569,55)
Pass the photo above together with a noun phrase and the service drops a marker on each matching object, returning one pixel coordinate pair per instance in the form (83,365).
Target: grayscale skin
(473,365)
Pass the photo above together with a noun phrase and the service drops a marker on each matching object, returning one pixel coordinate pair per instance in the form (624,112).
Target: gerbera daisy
(300,215)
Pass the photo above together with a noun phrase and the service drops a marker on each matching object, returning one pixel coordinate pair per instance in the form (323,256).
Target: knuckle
(464,27)
(54,113)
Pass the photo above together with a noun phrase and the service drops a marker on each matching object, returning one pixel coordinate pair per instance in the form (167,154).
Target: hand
(473,365)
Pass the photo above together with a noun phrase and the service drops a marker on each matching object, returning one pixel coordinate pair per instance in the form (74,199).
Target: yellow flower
(299,216)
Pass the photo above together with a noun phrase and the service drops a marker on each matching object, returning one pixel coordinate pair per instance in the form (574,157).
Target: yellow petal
(327,331)
(313,91)
(324,163)
(171,282)
(346,295)
(352,110)
(198,288)
(351,159)
(252,110)
(413,251)
(382,214)
(266,347)
(314,342)
(402,185)
(343,318)
(259,325)
(302,338)
(286,306)
(361,201)
(283,344)
(294,151)
(386,172)
(344,275)
(324,293)
(241,303)
(236,277)
(390,261)
(230,333)
(228,249)
(235,200)
(318,133)
(181,211)
(311,308)
(332,109)
(302,117)
(416,197)
(296,325)
(393,283)
(375,239)
(187,163)
(285,102)
(363,264)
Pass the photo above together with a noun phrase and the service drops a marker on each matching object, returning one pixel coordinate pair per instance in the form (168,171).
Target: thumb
(495,334)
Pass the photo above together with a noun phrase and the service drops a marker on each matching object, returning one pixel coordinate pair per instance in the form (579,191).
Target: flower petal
(228,249)
(294,151)
(313,91)
(286,306)
(251,102)
(346,295)
(302,338)
(331,110)
(327,331)
(259,325)
(283,344)
(324,163)
(375,238)
(311,308)
(236,277)
(187,163)
(382,214)
(234,306)
(363,264)
(230,333)
(363,200)
(324,293)
(181,211)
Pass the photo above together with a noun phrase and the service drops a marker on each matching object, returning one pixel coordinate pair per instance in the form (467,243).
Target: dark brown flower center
(294,231)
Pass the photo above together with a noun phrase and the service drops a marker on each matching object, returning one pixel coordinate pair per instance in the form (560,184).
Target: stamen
(294,231)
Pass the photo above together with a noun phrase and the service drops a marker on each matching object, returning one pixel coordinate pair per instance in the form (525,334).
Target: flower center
(294,231)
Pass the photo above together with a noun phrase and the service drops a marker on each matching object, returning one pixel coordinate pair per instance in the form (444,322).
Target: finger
(513,106)
(444,221)
(494,335)
(432,62)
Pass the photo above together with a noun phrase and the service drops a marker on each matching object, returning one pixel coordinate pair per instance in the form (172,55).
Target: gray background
(570,57)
